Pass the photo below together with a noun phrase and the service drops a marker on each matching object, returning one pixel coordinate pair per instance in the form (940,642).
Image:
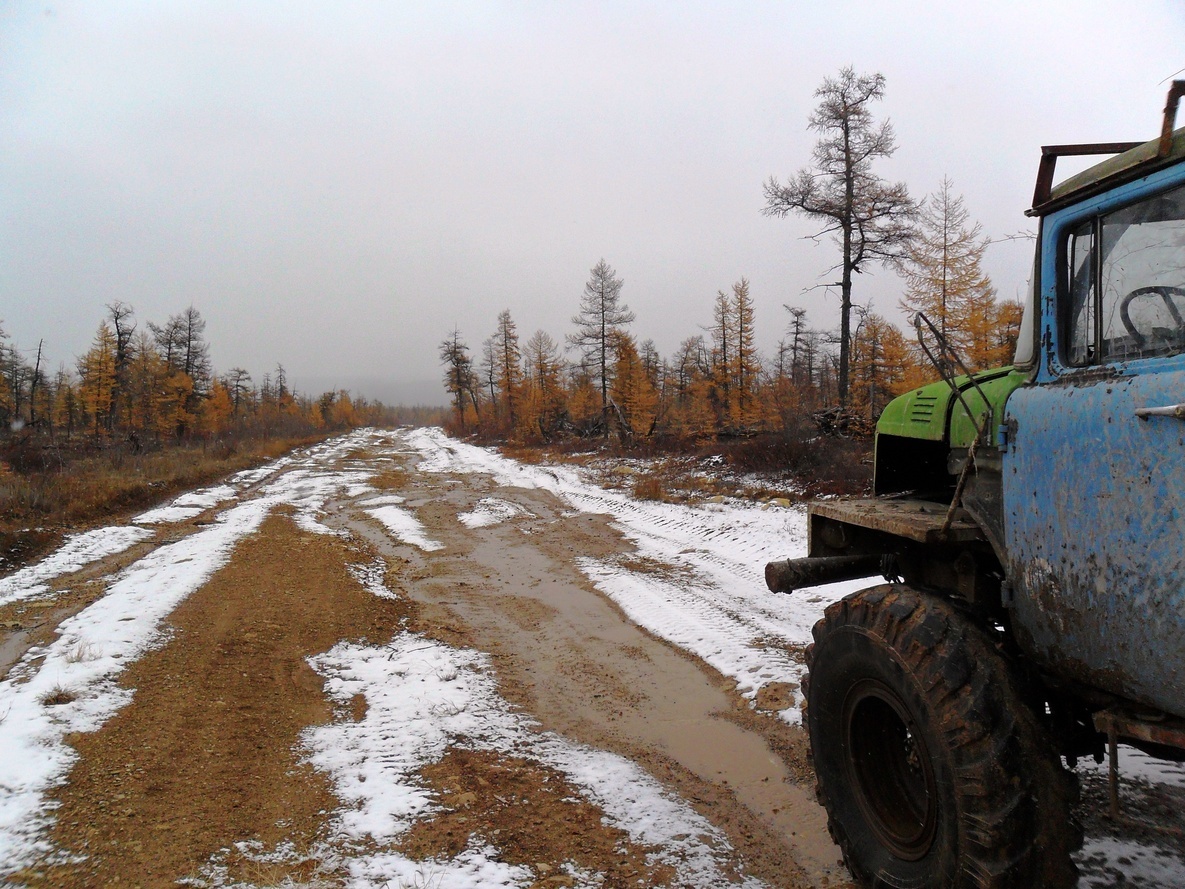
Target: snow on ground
(1138,765)
(406,527)
(187,505)
(424,697)
(70,684)
(719,609)
(491,511)
(76,553)
(248,477)
(381,500)
(714,603)
(1106,862)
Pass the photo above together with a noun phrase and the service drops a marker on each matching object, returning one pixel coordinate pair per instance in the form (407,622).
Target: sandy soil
(206,755)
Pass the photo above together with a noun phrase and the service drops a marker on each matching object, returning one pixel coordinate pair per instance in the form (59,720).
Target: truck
(1029,525)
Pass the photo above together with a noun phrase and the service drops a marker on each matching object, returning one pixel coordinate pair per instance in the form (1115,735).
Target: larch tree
(632,396)
(602,314)
(652,363)
(123,324)
(692,415)
(1005,331)
(16,374)
(182,344)
(736,366)
(870,219)
(489,370)
(7,403)
(945,279)
(96,371)
(36,387)
(722,358)
(144,380)
(196,353)
(543,372)
(459,379)
(508,362)
(796,339)
(238,383)
(746,360)
(67,409)
(881,364)
(584,401)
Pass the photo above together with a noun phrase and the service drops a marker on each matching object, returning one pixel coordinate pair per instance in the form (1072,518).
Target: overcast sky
(335,185)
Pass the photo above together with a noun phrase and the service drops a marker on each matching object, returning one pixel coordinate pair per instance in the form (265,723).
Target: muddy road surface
(395,661)
(324,676)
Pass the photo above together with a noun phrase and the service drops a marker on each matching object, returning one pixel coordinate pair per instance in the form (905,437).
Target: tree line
(717,383)
(154,385)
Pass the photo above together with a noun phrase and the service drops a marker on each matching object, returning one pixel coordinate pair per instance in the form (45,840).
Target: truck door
(1094,465)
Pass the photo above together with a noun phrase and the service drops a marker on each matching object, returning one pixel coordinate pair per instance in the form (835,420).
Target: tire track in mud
(206,753)
(569,656)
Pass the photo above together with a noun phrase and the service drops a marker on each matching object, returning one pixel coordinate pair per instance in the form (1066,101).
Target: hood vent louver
(922,409)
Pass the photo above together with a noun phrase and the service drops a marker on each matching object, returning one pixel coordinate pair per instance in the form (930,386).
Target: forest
(156,385)
(718,385)
(141,414)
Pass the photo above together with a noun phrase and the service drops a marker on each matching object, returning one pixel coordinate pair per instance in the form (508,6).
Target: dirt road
(207,768)
(391,662)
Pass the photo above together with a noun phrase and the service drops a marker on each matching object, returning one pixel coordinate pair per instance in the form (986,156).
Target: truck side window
(1082,349)
(1126,283)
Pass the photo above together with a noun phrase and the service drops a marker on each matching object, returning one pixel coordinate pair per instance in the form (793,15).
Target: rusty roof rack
(1044,198)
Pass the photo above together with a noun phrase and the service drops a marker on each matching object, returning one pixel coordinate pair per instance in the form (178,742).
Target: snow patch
(187,505)
(80,668)
(372,577)
(382,500)
(491,511)
(1105,862)
(405,527)
(76,553)
(424,697)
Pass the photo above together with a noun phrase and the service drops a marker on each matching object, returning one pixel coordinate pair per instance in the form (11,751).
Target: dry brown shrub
(650,487)
(84,486)
(58,695)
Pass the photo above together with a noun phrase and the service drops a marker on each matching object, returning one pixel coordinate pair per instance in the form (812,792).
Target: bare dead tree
(869,218)
(601,314)
(459,378)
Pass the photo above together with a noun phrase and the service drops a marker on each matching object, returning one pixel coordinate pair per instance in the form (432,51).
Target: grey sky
(335,185)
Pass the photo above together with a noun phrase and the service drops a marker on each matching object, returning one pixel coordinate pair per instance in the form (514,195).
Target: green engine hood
(923,413)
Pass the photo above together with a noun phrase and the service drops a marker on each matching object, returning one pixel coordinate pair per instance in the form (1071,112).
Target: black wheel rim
(890,770)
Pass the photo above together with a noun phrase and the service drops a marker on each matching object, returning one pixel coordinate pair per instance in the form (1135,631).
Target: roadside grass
(794,464)
(45,490)
(82,653)
(58,695)
(303,874)
(650,487)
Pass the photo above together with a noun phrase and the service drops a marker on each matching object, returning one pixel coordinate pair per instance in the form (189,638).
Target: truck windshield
(1026,339)
(1126,279)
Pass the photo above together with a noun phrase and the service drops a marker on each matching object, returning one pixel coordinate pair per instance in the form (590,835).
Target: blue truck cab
(1094,457)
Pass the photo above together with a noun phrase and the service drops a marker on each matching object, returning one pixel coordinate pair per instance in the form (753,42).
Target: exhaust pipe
(795,574)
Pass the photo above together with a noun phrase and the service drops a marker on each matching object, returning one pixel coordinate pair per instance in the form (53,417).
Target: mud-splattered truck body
(1030,523)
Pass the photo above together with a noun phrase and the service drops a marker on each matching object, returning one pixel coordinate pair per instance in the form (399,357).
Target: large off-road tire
(934,770)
